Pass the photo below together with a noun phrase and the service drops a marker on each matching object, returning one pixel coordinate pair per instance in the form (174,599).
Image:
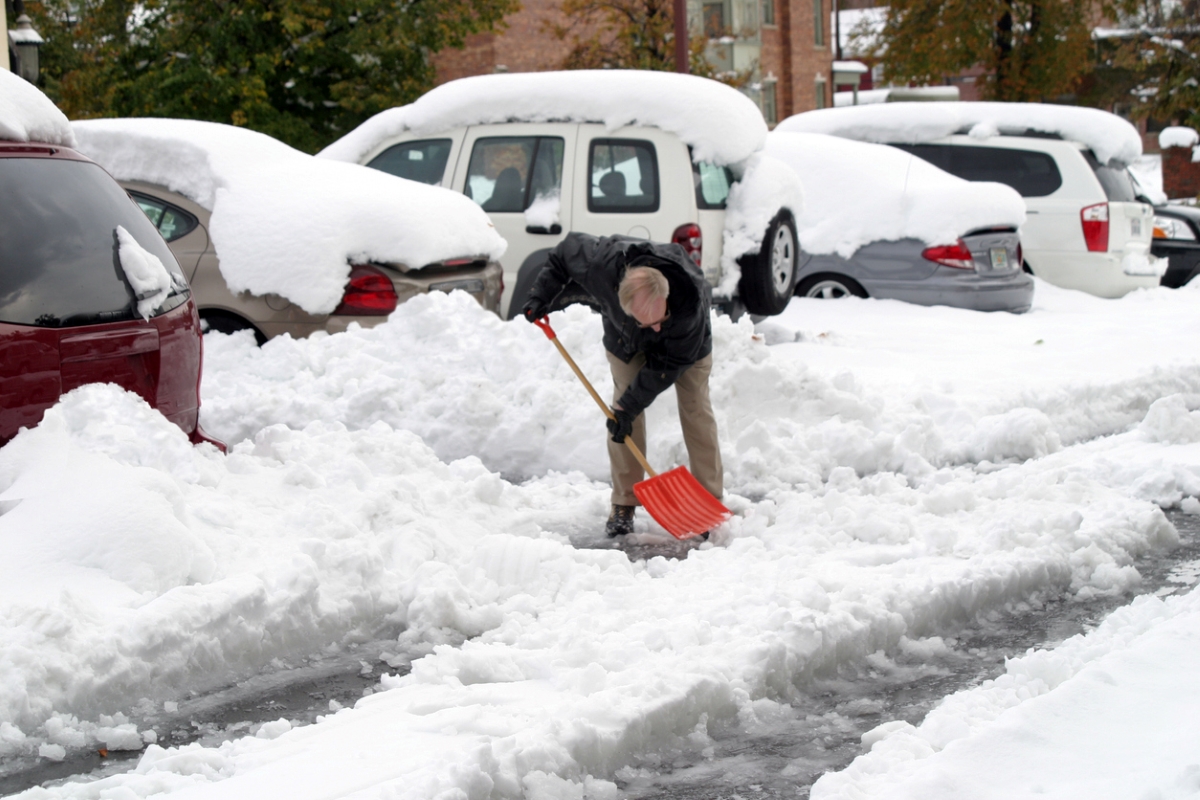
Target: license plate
(1135,227)
(999,259)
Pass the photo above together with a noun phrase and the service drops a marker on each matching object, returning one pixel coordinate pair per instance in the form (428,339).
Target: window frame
(627,209)
(818,23)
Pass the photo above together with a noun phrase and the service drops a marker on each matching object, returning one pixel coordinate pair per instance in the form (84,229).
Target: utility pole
(681,37)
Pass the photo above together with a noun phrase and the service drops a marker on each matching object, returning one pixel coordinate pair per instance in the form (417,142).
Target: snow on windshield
(721,124)
(27,115)
(870,192)
(284,222)
(1107,135)
(888,482)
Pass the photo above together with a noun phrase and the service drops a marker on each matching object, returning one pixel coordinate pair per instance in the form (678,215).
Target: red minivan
(68,314)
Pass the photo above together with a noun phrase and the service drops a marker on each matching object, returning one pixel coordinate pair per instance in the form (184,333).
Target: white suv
(645,154)
(1085,228)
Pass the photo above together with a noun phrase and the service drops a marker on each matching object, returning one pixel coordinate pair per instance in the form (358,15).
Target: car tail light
(458,262)
(950,255)
(1095,227)
(690,239)
(369,294)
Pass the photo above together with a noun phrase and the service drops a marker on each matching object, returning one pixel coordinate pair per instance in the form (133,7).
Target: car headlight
(1172,228)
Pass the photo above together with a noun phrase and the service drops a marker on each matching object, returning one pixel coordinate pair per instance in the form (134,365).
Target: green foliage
(1030,50)
(1149,65)
(304,71)
(625,34)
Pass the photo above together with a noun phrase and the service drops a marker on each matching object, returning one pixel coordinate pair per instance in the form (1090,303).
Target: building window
(770,114)
(714,20)
(820,87)
(768,12)
(818,23)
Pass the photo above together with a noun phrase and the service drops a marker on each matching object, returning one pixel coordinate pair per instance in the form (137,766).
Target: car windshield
(58,258)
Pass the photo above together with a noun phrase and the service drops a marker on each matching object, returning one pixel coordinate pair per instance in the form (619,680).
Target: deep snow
(895,469)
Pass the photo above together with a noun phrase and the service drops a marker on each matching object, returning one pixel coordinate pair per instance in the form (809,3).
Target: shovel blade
(680,504)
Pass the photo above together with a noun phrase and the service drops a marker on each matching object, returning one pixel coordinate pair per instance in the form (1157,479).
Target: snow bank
(720,123)
(871,192)
(284,222)
(27,115)
(1059,723)
(1108,136)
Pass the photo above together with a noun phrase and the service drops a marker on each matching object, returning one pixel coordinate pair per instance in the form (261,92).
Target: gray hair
(638,280)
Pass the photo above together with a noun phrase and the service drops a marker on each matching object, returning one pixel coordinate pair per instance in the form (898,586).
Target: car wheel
(769,276)
(224,322)
(830,287)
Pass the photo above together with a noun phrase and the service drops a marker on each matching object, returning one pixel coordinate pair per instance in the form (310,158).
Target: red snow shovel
(675,499)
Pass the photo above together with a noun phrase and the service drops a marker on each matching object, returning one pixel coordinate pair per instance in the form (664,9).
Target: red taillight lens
(368,294)
(950,255)
(690,239)
(1095,227)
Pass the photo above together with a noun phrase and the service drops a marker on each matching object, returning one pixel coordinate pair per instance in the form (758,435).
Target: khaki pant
(695,417)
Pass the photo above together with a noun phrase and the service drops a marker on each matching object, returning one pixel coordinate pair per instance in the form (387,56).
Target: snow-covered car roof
(1107,135)
(284,222)
(27,115)
(863,193)
(721,124)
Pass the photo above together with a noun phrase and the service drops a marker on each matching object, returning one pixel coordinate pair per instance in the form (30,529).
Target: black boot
(620,521)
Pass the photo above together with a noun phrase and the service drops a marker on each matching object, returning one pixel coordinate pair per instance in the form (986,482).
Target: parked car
(1086,228)
(668,157)
(69,297)
(1177,239)
(275,241)
(889,225)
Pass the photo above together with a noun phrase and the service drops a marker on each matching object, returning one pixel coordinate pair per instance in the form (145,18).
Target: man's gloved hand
(535,308)
(622,426)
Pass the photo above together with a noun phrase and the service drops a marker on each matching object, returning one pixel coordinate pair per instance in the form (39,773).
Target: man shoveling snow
(657,333)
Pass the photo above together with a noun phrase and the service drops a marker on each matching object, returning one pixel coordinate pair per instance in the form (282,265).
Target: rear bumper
(960,289)
(1101,274)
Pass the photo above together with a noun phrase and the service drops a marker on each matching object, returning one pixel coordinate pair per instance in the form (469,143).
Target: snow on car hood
(721,124)
(27,115)
(1108,136)
(284,222)
(866,193)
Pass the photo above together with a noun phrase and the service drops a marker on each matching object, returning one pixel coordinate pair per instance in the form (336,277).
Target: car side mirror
(553,230)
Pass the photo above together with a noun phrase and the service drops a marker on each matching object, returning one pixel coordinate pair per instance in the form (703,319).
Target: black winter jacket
(598,264)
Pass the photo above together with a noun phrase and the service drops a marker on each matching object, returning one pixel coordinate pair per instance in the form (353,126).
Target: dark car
(1177,239)
(68,312)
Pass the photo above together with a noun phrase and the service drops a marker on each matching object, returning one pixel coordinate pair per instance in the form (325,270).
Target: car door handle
(553,230)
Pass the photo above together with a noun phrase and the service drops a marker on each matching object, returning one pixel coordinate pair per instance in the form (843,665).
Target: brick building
(784,48)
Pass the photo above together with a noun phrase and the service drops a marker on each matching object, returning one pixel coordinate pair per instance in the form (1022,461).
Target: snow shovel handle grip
(544,324)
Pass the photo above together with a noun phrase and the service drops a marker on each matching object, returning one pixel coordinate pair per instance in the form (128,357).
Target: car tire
(830,287)
(769,276)
(571,293)
(224,322)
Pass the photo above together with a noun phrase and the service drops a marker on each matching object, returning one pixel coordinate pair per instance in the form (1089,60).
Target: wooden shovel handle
(544,324)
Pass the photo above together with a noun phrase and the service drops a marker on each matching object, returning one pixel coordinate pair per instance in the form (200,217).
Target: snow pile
(284,222)
(27,115)
(1107,135)
(1059,723)
(1176,136)
(767,186)
(720,123)
(871,192)
(147,276)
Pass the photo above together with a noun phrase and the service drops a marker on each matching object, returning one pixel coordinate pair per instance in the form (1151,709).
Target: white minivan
(1086,228)
(652,155)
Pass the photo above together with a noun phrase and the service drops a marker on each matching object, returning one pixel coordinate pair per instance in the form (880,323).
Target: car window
(172,222)
(507,173)
(58,264)
(624,176)
(1118,185)
(1031,173)
(712,184)
(423,161)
